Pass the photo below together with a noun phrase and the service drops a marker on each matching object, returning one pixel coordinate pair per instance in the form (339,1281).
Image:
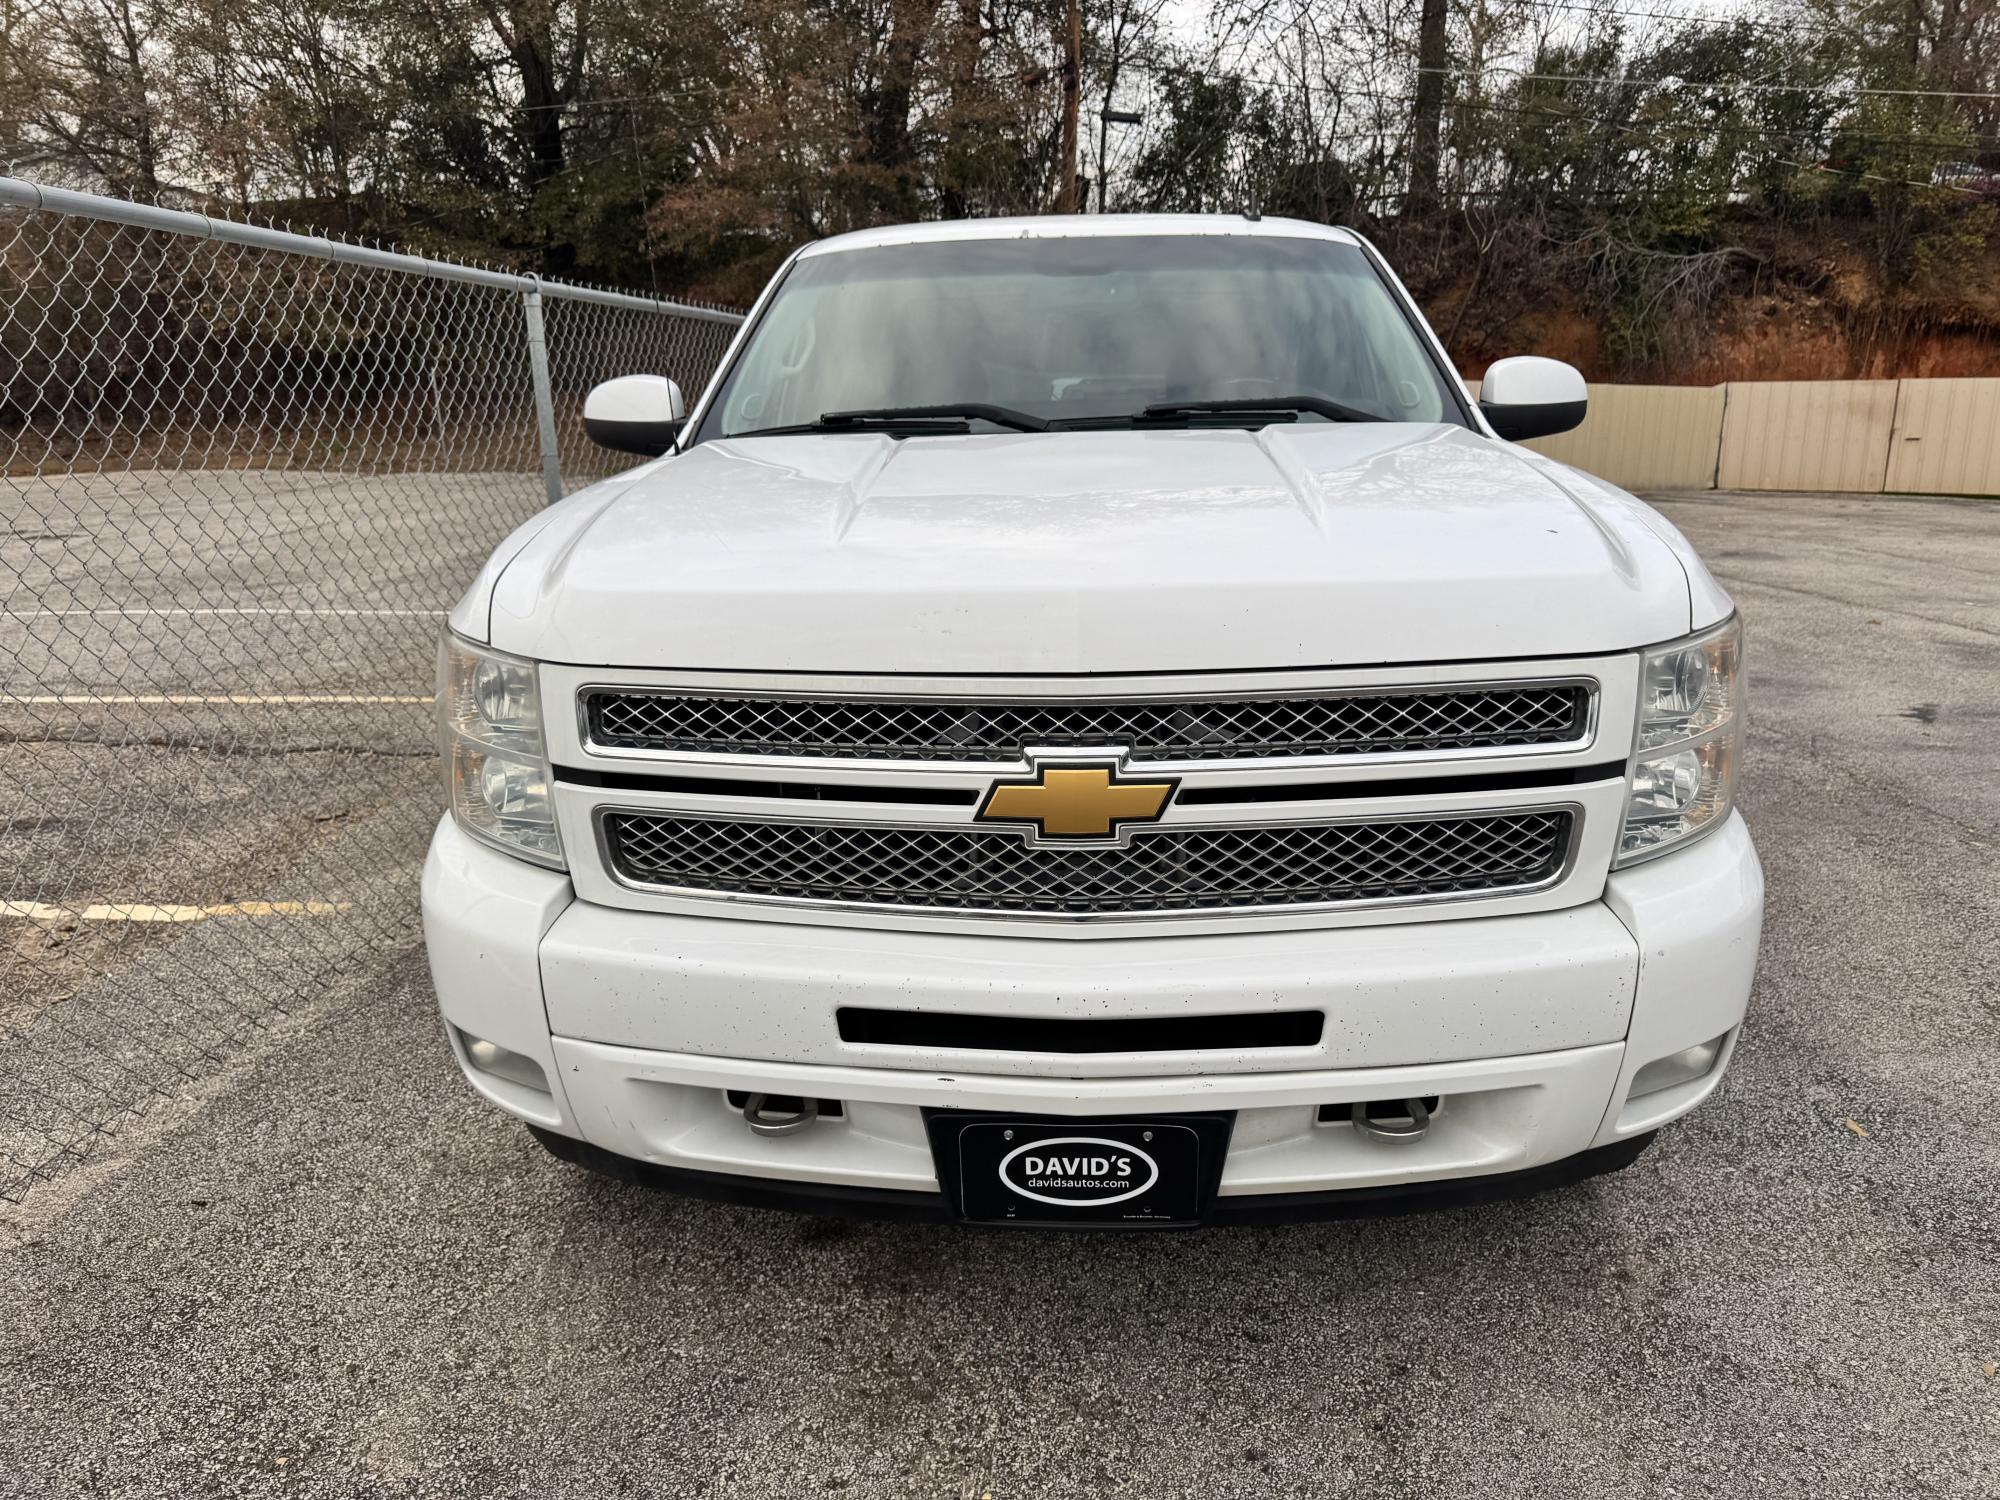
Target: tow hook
(1412,1129)
(764,1122)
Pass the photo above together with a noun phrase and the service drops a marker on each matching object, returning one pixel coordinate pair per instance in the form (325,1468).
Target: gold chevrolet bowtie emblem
(1076,802)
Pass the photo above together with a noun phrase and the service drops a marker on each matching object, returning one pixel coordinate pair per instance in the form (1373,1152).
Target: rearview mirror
(1528,397)
(635,414)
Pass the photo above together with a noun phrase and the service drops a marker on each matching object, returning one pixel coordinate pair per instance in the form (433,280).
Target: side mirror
(635,414)
(1529,396)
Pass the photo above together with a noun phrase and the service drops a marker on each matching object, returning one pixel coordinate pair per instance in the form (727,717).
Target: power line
(1640,129)
(1857,175)
(1724,23)
(1713,25)
(620,100)
(1406,98)
(1838,90)
(1858,90)
(1693,131)
(1538,111)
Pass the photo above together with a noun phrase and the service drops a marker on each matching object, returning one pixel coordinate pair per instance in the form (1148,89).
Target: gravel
(328,1270)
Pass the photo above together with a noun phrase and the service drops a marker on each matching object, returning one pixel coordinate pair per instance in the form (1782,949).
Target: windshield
(1091,329)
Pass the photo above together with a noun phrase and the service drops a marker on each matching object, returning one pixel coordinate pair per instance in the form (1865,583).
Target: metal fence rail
(243,473)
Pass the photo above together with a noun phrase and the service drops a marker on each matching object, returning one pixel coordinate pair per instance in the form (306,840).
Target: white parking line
(136,612)
(42,911)
(247,700)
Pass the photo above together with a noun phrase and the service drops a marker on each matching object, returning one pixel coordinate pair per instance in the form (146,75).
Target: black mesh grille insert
(944,1030)
(1215,869)
(1166,729)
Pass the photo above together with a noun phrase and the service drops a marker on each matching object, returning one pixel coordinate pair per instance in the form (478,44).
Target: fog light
(488,1057)
(1684,1066)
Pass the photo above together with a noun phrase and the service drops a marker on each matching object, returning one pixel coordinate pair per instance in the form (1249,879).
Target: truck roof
(1068,226)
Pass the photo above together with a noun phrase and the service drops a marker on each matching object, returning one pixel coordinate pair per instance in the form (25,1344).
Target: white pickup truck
(1085,723)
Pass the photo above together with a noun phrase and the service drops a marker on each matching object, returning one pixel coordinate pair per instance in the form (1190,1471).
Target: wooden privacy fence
(1912,437)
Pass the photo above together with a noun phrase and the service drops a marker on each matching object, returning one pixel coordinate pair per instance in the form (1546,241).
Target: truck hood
(1306,546)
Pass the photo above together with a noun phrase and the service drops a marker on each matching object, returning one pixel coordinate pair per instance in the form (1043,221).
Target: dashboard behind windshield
(1081,328)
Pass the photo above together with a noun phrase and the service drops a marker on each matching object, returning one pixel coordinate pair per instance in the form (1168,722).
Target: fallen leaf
(1858,1129)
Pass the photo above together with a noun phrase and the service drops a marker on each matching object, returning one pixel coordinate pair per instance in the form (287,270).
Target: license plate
(1015,1169)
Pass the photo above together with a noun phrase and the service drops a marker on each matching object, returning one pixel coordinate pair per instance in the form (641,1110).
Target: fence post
(545,401)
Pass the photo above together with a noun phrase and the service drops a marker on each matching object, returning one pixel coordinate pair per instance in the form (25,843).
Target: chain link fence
(243,475)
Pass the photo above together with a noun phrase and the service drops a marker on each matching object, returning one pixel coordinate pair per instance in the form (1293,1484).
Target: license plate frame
(986,1161)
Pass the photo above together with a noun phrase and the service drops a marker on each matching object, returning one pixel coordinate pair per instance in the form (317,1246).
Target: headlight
(496,768)
(1689,738)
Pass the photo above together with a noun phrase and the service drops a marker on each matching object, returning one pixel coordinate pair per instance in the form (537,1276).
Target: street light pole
(1107,117)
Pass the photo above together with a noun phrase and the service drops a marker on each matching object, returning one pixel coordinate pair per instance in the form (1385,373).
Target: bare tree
(88,67)
(1427,110)
(548,44)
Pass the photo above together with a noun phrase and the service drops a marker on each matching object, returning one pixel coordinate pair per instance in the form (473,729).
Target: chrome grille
(1369,722)
(1177,870)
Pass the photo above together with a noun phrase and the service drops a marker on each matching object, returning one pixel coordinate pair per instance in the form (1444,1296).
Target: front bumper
(1528,1027)
(1239,1210)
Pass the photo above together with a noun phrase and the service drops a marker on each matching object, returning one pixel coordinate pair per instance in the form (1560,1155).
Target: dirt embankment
(1795,308)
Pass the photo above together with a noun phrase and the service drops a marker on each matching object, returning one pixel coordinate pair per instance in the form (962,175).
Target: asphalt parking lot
(325,1270)
(214,697)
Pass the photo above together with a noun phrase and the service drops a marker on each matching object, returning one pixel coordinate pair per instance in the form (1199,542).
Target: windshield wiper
(919,418)
(978,411)
(1319,406)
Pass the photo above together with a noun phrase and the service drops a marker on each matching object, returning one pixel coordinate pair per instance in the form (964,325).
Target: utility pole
(1072,85)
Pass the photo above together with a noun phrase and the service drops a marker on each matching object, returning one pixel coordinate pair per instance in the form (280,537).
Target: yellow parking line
(223,699)
(140,911)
